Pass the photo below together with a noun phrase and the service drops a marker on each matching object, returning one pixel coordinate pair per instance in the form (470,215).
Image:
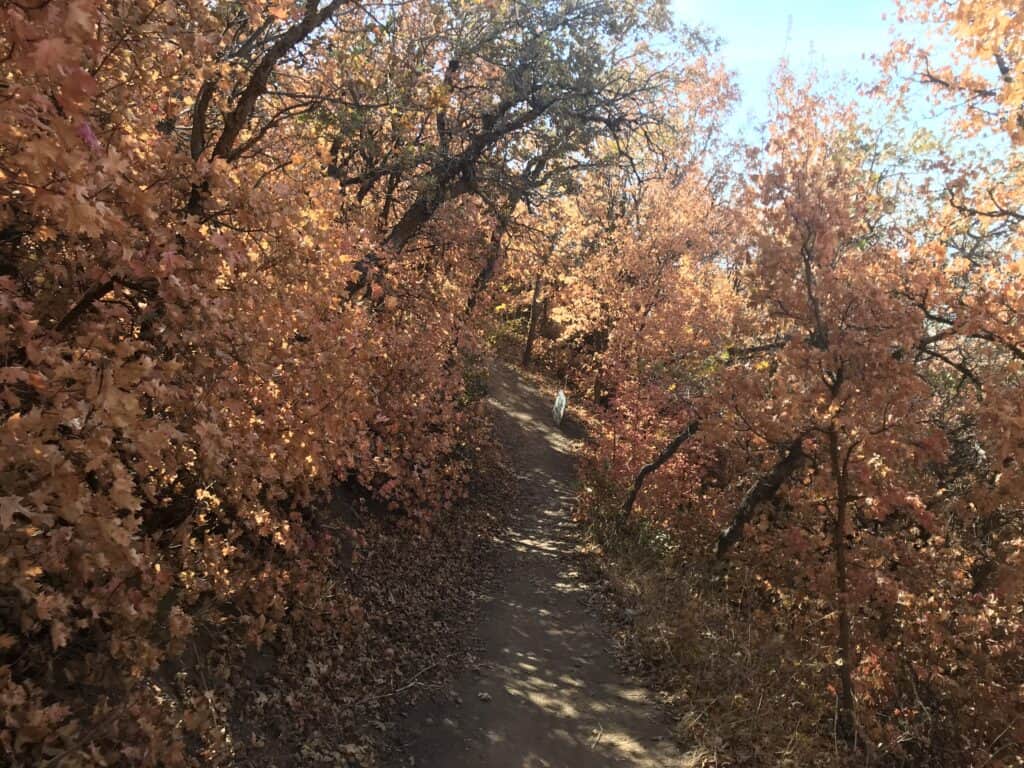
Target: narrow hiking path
(545,690)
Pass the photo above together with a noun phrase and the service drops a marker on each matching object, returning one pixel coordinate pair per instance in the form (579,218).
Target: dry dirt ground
(543,688)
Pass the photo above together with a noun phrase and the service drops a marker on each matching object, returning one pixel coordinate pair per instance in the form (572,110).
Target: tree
(821,423)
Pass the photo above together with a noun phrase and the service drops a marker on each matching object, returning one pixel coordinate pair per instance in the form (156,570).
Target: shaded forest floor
(333,697)
(541,684)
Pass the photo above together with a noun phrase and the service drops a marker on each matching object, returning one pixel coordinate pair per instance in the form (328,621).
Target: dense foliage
(247,249)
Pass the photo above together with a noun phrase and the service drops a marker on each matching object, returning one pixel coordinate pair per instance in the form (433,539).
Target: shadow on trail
(545,690)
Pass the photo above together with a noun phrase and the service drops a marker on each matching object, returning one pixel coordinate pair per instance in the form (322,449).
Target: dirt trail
(545,690)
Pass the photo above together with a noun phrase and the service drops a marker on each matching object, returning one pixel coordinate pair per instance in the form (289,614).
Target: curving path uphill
(545,691)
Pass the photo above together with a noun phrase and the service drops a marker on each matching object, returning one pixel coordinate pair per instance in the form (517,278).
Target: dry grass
(745,693)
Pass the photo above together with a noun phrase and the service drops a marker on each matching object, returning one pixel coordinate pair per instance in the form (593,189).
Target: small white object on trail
(559,410)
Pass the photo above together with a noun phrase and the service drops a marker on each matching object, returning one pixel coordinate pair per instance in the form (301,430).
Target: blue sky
(834,35)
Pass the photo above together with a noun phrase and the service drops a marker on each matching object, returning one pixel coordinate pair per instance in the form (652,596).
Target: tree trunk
(763,490)
(531,332)
(847,716)
(666,453)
